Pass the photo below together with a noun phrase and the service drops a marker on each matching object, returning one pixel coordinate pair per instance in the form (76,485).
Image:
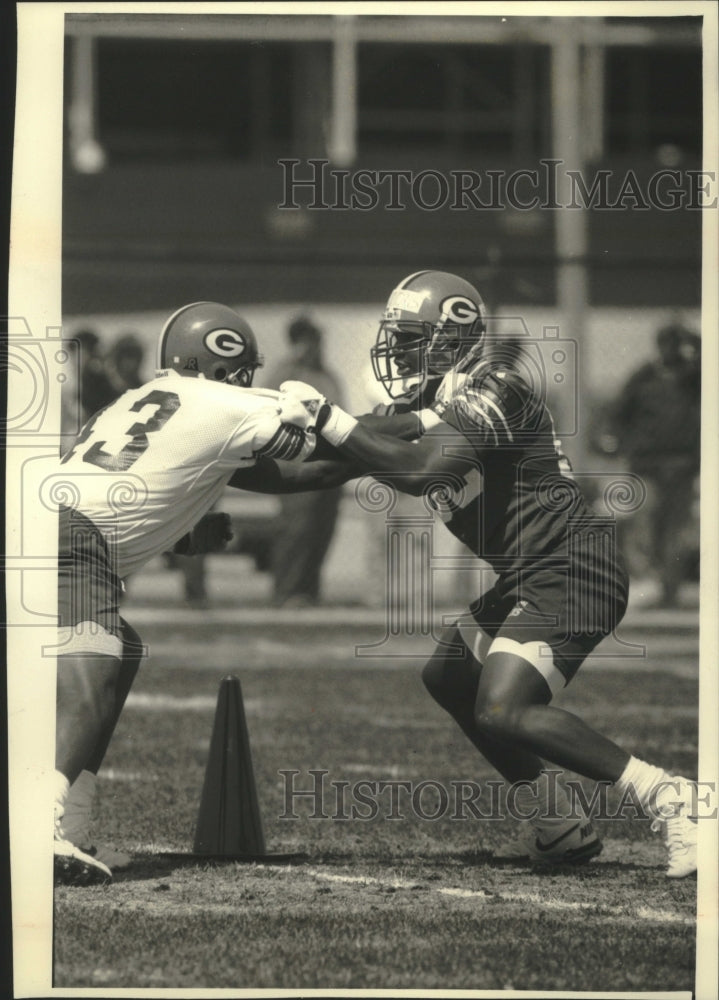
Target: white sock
(642,778)
(61,788)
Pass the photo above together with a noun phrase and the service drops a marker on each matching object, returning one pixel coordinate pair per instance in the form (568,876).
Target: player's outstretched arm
(270,475)
(406,426)
(303,404)
(440,456)
(326,468)
(417,463)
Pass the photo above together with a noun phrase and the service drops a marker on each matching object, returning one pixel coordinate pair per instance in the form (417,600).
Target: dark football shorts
(553,618)
(89,590)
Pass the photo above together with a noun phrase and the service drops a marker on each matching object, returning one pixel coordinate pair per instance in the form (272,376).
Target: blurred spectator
(307,521)
(193,573)
(656,424)
(71,415)
(96,390)
(87,388)
(124,363)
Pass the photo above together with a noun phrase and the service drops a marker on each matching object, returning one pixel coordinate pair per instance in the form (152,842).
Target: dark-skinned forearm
(405,426)
(381,455)
(439,456)
(273,476)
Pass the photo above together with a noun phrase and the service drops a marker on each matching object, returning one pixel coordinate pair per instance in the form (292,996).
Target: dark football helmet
(432,321)
(209,340)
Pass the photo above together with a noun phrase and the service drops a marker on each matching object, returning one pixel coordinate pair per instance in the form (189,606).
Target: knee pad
(539,654)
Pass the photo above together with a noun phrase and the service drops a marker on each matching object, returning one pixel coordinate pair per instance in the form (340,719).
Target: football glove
(303,405)
(211,534)
(326,418)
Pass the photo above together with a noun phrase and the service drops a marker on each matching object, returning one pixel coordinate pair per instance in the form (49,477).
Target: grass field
(382,903)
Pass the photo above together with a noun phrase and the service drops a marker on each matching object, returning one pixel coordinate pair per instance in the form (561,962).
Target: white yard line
(155,848)
(393,771)
(643,913)
(202,702)
(118,774)
(646,914)
(180,703)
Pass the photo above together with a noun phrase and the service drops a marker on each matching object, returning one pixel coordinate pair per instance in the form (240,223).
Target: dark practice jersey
(519,507)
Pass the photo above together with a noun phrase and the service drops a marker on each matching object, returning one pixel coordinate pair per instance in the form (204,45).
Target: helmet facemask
(220,371)
(243,376)
(437,351)
(399,357)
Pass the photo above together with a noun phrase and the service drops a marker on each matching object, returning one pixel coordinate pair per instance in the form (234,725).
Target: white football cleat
(71,866)
(563,842)
(77,819)
(674,805)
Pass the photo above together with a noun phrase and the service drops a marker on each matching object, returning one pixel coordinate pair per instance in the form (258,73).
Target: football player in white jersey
(142,472)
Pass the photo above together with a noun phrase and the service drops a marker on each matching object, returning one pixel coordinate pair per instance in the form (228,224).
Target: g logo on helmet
(458,309)
(225,343)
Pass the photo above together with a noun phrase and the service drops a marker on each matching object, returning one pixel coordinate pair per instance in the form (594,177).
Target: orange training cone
(229,823)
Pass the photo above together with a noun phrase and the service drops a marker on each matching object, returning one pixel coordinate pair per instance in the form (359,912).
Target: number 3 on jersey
(167,403)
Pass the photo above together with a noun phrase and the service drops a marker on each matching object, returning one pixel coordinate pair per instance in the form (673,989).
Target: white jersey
(149,466)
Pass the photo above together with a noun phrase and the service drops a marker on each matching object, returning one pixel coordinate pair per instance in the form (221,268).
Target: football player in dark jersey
(485,457)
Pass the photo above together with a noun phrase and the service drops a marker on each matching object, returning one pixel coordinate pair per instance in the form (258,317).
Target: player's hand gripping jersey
(146,468)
